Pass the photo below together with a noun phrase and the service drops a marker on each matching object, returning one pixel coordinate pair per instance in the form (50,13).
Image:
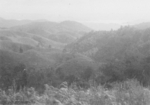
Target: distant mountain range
(62,32)
(43,32)
(114,26)
(72,25)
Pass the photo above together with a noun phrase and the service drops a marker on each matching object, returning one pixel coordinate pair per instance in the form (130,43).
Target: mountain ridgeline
(34,53)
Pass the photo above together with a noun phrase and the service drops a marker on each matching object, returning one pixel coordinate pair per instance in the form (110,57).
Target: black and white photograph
(74,52)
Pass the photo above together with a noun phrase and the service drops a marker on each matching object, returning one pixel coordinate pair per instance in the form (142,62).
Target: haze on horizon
(91,11)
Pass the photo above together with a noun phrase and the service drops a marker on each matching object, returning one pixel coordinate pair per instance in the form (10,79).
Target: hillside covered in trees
(70,55)
(121,54)
(31,57)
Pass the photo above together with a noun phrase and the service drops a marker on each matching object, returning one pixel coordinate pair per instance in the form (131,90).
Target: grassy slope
(127,93)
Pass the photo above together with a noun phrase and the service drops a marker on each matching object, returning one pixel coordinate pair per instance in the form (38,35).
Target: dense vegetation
(102,57)
(97,66)
(125,93)
(123,54)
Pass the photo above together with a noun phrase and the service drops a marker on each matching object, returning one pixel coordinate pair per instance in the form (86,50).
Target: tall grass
(127,93)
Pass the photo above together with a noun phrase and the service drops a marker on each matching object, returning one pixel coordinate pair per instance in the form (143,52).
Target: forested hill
(123,53)
(109,45)
(99,56)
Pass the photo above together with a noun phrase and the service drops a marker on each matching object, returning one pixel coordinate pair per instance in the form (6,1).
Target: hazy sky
(78,10)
